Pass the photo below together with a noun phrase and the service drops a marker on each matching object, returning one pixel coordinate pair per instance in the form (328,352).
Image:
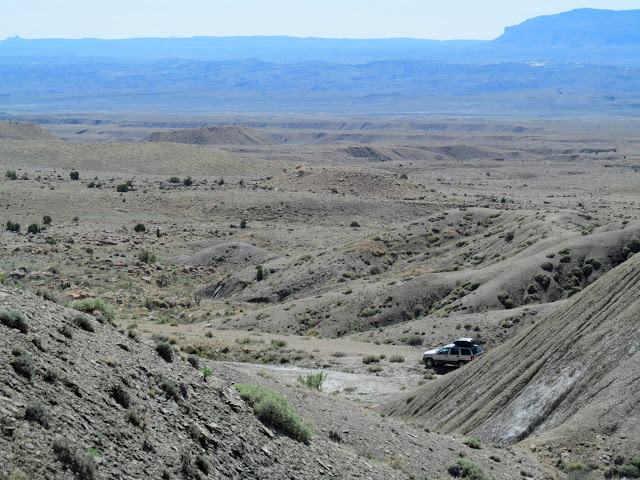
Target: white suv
(461,351)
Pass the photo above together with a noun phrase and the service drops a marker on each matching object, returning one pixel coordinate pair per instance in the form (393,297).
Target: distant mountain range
(586,53)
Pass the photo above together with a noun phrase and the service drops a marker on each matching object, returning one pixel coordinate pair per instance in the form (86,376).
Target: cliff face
(578,28)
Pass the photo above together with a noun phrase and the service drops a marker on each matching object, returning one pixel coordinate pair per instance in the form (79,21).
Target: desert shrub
(243,223)
(369,312)
(83,323)
(11,175)
(122,187)
(22,363)
(136,418)
(46,220)
(165,351)
(587,270)
(145,257)
(414,341)
(509,236)
(203,464)
(170,389)
(396,359)
(279,343)
(375,270)
(33,228)
(629,471)
(313,380)
(466,469)
(565,259)
(274,410)
(12,226)
(120,395)
(505,300)
(374,368)
(82,464)
(139,228)
(594,262)
(548,266)
(532,289)
(50,375)
(354,224)
(543,280)
(66,331)
(174,180)
(368,359)
(187,182)
(209,334)
(74,175)
(13,319)
(38,412)
(473,443)
(259,273)
(93,305)
(495,458)
(194,361)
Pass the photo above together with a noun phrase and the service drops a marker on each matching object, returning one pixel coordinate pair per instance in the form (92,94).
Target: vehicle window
(443,351)
(476,349)
(455,351)
(465,351)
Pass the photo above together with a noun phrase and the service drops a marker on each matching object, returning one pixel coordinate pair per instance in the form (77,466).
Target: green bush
(396,359)
(629,471)
(11,175)
(13,319)
(274,410)
(46,219)
(74,175)
(165,351)
(473,443)
(313,380)
(93,305)
(509,236)
(565,259)
(543,280)
(13,227)
(33,228)
(354,224)
(187,182)
(139,228)
(594,262)
(259,273)
(174,180)
(548,266)
(123,187)
(466,469)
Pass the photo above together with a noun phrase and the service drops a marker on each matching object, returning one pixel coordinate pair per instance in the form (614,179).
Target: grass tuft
(274,410)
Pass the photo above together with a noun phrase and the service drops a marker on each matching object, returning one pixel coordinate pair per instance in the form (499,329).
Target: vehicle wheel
(430,363)
(461,363)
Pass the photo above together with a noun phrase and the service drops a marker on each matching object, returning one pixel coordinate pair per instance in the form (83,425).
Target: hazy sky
(437,19)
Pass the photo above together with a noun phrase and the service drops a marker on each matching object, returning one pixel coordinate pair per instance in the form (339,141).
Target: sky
(433,19)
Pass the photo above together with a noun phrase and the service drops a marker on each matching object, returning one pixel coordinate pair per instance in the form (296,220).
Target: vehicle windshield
(443,351)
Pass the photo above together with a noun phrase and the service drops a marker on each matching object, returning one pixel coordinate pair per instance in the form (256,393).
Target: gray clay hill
(211,136)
